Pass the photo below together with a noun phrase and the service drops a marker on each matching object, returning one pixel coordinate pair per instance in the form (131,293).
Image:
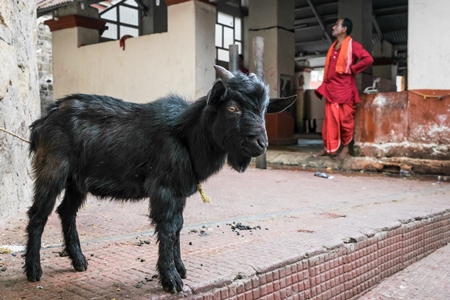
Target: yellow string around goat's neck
(205,198)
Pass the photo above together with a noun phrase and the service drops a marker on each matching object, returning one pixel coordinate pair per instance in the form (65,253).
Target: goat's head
(241,103)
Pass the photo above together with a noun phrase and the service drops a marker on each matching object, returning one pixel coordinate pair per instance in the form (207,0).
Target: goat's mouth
(254,147)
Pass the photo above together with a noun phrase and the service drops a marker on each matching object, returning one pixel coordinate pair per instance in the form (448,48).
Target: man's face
(338,29)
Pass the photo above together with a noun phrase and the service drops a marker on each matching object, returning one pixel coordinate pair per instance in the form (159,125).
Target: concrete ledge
(295,156)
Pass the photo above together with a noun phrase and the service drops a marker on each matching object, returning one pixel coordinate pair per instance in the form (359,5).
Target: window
(121,19)
(316,79)
(228,32)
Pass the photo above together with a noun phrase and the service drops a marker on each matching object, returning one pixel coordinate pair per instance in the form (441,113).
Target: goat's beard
(238,162)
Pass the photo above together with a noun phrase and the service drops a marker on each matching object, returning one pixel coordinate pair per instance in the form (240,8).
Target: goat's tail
(34,135)
(36,127)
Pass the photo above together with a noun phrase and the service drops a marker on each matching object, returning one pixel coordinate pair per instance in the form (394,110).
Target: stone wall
(19,102)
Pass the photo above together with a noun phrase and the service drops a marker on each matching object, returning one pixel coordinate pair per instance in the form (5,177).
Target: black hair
(346,22)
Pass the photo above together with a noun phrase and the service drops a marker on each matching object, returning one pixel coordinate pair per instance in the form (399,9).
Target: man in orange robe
(344,60)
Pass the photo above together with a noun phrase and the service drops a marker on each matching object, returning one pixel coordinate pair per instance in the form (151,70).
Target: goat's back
(114,148)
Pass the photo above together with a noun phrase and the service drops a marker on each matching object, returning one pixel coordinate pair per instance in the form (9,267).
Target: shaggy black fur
(159,150)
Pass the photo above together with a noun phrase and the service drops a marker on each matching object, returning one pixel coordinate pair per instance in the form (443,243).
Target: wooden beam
(305,27)
(173,2)
(319,20)
(390,10)
(72,21)
(377,28)
(321,41)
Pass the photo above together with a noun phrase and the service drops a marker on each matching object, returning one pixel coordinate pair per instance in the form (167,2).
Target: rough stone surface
(302,157)
(19,101)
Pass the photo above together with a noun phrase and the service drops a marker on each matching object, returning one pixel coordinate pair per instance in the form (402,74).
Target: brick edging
(346,271)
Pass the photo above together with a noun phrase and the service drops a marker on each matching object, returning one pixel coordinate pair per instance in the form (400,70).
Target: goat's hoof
(172,284)
(182,274)
(181,270)
(79,262)
(173,289)
(168,289)
(33,272)
(33,276)
(80,268)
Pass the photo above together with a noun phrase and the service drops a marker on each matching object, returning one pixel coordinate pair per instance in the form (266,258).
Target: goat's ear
(217,91)
(277,105)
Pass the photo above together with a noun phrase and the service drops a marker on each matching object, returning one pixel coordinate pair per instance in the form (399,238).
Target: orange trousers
(338,125)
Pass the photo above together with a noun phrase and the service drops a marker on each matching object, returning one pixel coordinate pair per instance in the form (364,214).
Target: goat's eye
(233,109)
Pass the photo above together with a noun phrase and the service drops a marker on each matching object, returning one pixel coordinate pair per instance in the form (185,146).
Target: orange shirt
(341,88)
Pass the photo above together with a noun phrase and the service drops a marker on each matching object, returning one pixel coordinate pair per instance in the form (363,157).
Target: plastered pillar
(428,54)
(273,20)
(199,48)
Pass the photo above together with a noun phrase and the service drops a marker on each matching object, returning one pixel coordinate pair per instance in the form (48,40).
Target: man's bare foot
(322,152)
(343,154)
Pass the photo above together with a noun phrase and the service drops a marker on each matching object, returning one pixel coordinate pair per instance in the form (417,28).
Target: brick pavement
(427,279)
(318,238)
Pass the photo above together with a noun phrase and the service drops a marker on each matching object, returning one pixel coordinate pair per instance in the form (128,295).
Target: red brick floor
(319,238)
(428,278)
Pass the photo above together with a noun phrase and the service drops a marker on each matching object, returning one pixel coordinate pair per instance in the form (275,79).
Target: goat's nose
(262,141)
(263,144)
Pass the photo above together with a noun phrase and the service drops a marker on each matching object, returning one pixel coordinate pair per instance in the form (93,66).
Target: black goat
(161,150)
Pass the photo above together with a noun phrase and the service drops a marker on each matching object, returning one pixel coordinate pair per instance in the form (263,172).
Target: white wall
(428,44)
(178,61)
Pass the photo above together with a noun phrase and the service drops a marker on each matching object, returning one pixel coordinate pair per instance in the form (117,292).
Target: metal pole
(234,58)
(258,60)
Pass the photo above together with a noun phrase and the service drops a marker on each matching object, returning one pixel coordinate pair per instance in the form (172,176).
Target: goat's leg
(67,210)
(47,186)
(164,213)
(179,265)
(38,216)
